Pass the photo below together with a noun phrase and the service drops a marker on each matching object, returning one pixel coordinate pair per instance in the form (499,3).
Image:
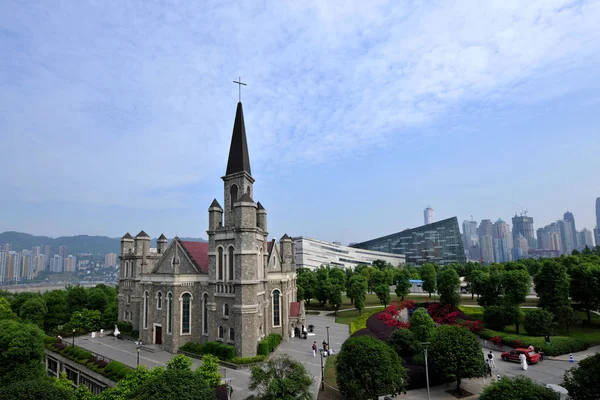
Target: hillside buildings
(312,253)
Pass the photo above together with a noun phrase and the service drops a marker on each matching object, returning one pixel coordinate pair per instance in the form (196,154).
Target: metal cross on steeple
(239,82)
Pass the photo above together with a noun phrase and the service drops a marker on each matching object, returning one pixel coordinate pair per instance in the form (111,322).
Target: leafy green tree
(498,317)
(128,385)
(357,286)
(280,378)
(337,277)
(402,281)
(525,388)
(516,284)
(63,382)
(429,277)
(404,343)
(368,273)
(383,294)
(582,381)
(86,320)
(324,285)
(421,325)
(335,297)
(478,278)
(381,265)
(42,388)
(21,351)
(6,312)
(538,322)
(491,289)
(97,299)
(56,303)
(306,282)
(174,384)
(83,393)
(567,317)
(449,287)
(359,302)
(33,311)
(456,352)
(110,315)
(552,286)
(367,368)
(180,362)
(209,370)
(20,299)
(585,287)
(77,299)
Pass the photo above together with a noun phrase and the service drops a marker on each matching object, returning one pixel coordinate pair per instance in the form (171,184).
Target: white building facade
(312,253)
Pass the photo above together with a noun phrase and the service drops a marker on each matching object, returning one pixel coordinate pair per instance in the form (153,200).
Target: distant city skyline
(469,109)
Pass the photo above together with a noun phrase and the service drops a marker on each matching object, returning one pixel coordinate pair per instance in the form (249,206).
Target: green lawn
(346,317)
(330,392)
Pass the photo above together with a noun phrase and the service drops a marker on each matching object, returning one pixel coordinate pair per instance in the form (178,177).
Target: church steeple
(239,160)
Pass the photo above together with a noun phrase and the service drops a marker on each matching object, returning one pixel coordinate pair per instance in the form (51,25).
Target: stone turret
(215,216)
(126,244)
(287,256)
(245,212)
(261,217)
(161,244)
(142,247)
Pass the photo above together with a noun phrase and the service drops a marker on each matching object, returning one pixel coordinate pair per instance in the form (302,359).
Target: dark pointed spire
(238,152)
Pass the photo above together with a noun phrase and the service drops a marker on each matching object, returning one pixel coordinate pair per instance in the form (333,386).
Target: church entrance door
(158,335)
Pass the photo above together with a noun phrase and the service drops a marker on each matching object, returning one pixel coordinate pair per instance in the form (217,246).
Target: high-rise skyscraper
(3,266)
(56,264)
(62,251)
(521,247)
(470,236)
(502,242)
(566,236)
(522,224)
(110,259)
(486,241)
(598,221)
(428,215)
(586,238)
(47,250)
(70,263)
(568,216)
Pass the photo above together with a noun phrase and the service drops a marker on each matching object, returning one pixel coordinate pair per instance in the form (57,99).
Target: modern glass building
(437,243)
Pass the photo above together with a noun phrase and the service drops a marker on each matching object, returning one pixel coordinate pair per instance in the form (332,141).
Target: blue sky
(117,116)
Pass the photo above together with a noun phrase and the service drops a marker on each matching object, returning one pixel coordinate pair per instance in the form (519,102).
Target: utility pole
(425,344)
(322,372)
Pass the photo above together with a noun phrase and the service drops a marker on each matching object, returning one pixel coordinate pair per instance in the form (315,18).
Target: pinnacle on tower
(239,160)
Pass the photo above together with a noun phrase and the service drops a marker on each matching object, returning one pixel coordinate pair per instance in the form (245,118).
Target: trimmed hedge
(113,370)
(269,344)
(248,360)
(361,322)
(221,350)
(558,344)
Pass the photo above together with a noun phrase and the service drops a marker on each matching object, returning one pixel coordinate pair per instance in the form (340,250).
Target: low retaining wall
(492,346)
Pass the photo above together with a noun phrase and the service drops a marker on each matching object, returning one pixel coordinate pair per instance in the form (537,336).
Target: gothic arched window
(146,307)
(159,301)
(126,269)
(226,310)
(230,260)
(169,313)
(233,191)
(221,332)
(205,314)
(220,263)
(186,308)
(276,308)
(231,334)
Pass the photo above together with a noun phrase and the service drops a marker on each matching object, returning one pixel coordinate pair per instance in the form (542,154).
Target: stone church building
(237,288)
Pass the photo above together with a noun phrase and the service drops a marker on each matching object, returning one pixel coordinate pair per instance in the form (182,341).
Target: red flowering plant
(474,326)
(390,317)
(408,304)
(497,340)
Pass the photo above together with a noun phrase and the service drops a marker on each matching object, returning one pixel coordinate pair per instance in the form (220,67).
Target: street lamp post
(327,336)
(425,344)
(137,346)
(73,337)
(322,372)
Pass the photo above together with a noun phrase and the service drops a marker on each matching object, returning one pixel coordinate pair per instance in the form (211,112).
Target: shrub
(248,360)
(421,325)
(473,326)
(50,339)
(538,322)
(404,343)
(558,344)
(582,381)
(498,317)
(125,327)
(497,340)
(507,388)
(263,348)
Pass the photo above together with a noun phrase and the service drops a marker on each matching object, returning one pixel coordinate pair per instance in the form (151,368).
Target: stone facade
(237,288)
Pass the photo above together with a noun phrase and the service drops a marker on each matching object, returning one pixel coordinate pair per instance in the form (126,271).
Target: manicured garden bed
(226,353)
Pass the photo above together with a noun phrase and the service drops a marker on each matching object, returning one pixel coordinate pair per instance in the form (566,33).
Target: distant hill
(75,244)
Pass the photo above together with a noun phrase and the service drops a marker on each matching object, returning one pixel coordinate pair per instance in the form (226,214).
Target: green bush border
(558,344)
(269,344)
(224,351)
(361,321)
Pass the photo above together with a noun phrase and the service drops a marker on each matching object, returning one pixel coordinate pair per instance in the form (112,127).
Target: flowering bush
(473,326)
(408,304)
(445,314)
(390,314)
(497,340)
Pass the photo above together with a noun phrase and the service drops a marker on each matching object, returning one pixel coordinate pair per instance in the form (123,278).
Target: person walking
(314,349)
(541,353)
(523,361)
(491,360)
(489,367)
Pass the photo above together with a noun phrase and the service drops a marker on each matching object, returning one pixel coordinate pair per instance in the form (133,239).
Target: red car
(532,356)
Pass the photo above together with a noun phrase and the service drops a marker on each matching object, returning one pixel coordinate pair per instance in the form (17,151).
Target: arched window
(220,263)
(169,313)
(231,334)
(221,332)
(230,259)
(146,308)
(276,308)
(186,308)
(159,301)
(126,269)
(205,314)
(226,310)
(234,194)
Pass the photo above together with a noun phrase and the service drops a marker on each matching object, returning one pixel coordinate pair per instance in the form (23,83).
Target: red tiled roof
(295,309)
(198,252)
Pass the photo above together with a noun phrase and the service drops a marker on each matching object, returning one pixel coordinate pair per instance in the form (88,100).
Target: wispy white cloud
(126,100)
